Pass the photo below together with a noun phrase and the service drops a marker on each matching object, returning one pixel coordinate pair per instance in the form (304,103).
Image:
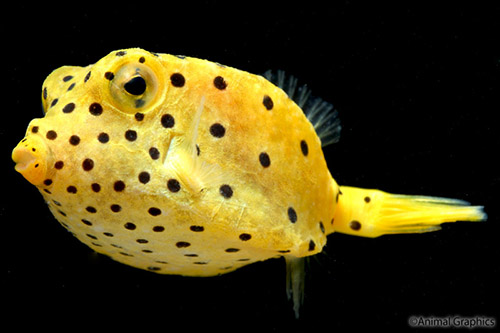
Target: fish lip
(23,158)
(33,159)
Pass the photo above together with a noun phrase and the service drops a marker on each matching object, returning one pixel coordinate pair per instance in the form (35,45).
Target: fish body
(198,175)
(178,165)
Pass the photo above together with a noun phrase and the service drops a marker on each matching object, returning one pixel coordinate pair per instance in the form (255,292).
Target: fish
(178,165)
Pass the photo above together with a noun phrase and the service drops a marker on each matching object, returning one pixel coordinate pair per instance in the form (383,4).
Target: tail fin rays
(372,213)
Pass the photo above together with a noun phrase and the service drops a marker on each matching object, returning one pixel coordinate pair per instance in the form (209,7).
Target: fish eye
(133,88)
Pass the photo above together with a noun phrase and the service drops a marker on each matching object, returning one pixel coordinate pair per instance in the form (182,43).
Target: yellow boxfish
(178,165)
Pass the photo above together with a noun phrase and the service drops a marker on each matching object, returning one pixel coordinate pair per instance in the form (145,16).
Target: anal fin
(295,279)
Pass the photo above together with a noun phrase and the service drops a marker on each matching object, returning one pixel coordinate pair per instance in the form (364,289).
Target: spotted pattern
(103,195)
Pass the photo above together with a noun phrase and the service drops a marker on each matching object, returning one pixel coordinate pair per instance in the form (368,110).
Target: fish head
(99,121)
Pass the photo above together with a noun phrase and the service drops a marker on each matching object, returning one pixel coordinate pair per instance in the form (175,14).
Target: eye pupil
(135,86)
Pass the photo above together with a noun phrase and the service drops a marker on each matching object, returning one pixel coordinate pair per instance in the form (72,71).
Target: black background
(417,88)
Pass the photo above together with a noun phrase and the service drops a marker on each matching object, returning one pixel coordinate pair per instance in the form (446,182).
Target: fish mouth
(32,158)
(23,158)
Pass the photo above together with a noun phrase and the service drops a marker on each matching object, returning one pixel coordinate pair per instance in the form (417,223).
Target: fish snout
(33,159)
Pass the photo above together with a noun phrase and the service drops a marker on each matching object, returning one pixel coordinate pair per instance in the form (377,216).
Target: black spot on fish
(68,108)
(144,177)
(217,130)
(158,228)
(154,153)
(109,76)
(59,165)
(71,189)
(131,135)
(264,159)
(139,116)
(268,102)
(292,215)
(91,209)
(173,185)
(177,80)
(95,109)
(88,164)
(245,237)
(96,187)
(154,211)
(119,186)
(74,140)
(304,147)
(167,121)
(103,137)
(355,225)
(130,226)
(51,135)
(321,227)
(86,222)
(182,244)
(220,83)
(226,191)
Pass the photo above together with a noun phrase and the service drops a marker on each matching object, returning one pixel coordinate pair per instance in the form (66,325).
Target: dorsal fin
(325,120)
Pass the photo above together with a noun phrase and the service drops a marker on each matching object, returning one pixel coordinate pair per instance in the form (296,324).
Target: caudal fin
(372,213)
